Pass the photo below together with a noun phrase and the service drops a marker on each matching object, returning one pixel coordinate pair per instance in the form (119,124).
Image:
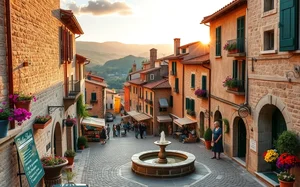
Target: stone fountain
(162,163)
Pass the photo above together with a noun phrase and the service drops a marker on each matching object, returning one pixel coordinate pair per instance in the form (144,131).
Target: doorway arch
(201,124)
(58,140)
(239,138)
(218,117)
(271,123)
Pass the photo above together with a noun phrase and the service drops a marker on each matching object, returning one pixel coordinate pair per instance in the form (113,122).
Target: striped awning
(184,121)
(164,119)
(94,122)
(138,116)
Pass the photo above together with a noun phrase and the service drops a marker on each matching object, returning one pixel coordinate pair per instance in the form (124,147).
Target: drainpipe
(183,90)
(209,91)
(9,54)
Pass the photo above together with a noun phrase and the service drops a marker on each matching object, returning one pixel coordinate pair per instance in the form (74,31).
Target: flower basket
(53,167)
(23,104)
(42,122)
(201,93)
(3,128)
(22,100)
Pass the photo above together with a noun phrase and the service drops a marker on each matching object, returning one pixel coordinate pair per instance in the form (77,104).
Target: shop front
(92,128)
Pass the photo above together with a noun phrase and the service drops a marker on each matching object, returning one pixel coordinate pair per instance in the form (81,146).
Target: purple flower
(1,110)
(4,103)
(10,118)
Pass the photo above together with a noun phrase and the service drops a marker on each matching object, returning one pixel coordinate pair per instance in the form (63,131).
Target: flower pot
(70,160)
(53,174)
(23,104)
(41,125)
(235,89)
(233,51)
(208,144)
(286,184)
(81,147)
(3,128)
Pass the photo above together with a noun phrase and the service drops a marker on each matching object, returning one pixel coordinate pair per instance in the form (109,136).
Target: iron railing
(73,88)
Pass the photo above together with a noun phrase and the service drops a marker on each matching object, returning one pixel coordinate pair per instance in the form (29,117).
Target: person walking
(145,130)
(217,141)
(114,130)
(103,136)
(141,130)
(136,130)
(118,130)
(108,131)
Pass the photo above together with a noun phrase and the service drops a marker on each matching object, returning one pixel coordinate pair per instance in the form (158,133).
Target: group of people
(140,129)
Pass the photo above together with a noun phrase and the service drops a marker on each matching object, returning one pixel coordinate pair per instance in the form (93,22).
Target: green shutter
(150,96)
(288,25)
(192,107)
(94,96)
(171,101)
(175,68)
(203,82)
(147,109)
(193,81)
(234,69)
(176,83)
(151,111)
(241,34)
(186,103)
(218,41)
(243,73)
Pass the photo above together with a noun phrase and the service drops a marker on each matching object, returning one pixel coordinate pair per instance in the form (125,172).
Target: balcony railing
(72,94)
(235,47)
(176,90)
(237,87)
(174,73)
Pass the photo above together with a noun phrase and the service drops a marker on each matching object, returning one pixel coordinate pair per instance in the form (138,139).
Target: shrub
(82,141)
(288,143)
(70,153)
(208,134)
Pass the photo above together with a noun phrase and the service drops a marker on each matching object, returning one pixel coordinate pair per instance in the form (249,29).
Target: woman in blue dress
(217,141)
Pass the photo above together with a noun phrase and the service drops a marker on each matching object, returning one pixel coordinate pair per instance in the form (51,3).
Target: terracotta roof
(81,59)
(95,76)
(172,57)
(138,71)
(103,84)
(150,70)
(202,59)
(136,81)
(227,8)
(126,84)
(164,83)
(68,18)
(189,44)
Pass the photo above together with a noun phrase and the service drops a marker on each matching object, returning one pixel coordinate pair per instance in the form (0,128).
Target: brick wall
(3,67)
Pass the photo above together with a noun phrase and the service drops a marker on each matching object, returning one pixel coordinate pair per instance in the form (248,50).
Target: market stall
(92,128)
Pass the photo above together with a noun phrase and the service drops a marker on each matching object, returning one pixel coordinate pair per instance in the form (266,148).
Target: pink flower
(1,110)
(10,118)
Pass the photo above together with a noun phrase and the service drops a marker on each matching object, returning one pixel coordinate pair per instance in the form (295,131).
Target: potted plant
(42,121)
(230,47)
(201,93)
(70,122)
(70,154)
(69,175)
(53,167)
(5,117)
(207,138)
(270,156)
(288,143)
(22,100)
(232,84)
(82,142)
(286,162)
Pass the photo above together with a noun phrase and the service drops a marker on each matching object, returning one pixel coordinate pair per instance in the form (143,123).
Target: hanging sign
(29,157)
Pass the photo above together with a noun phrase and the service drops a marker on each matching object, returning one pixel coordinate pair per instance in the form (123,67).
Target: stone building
(38,57)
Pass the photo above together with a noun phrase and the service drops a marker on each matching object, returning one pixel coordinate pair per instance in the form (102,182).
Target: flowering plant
(285,176)
(20,115)
(42,119)
(271,155)
(231,83)
(22,97)
(71,121)
(287,161)
(201,93)
(230,46)
(5,112)
(52,161)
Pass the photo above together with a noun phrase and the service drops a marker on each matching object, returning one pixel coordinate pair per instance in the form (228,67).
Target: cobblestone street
(100,165)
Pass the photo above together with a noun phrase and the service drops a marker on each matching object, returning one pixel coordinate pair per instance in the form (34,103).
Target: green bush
(81,108)
(208,134)
(288,143)
(70,153)
(82,141)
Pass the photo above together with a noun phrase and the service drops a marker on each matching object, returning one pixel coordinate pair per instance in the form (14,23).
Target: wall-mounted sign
(253,144)
(29,158)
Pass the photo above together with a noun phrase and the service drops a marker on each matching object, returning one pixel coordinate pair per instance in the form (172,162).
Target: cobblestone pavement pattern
(100,165)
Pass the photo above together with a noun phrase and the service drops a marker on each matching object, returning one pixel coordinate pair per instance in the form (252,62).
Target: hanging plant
(226,122)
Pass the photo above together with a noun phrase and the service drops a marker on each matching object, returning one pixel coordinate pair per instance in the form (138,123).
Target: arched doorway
(201,124)
(271,124)
(239,138)
(57,140)
(218,117)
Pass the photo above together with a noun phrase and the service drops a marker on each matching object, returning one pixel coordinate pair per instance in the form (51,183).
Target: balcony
(176,90)
(235,48)
(73,92)
(237,87)
(174,73)
(150,102)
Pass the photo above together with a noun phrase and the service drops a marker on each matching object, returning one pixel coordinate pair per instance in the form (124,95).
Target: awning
(164,119)
(163,103)
(95,122)
(138,116)
(184,121)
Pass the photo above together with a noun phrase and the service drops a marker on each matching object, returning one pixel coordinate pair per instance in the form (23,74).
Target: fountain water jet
(160,163)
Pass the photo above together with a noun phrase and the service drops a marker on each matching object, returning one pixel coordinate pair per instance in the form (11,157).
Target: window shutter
(171,101)
(218,41)
(94,96)
(241,34)
(146,95)
(192,107)
(151,96)
(243,73)
(203,82)
(62,44)
(176,83)
(193,80)
(186,103)
(234,69)
(288,25)
(175,68)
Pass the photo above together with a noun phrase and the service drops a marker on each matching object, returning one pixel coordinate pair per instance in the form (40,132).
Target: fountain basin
(183,165)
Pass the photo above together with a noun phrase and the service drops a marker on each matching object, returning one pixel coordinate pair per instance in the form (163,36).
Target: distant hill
(99,53)
(116,71)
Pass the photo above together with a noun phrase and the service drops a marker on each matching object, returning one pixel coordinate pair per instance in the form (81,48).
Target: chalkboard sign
(29,158)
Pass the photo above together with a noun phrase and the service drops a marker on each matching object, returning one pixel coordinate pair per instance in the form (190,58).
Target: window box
(93,101)
(40,125)
(191,112)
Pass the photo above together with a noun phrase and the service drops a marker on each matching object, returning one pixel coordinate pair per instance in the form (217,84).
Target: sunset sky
(143,21)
